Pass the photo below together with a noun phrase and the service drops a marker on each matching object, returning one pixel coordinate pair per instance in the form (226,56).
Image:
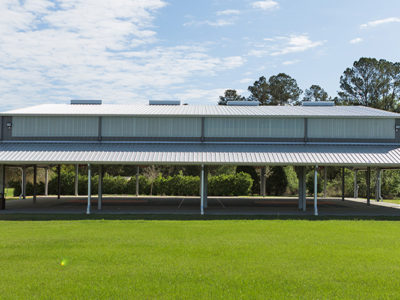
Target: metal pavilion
(91,133)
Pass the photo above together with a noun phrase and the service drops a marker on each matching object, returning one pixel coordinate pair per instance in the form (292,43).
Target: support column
(205,186)
(304,189)
(378,185)
(202,190)
(58,181)
(325,180)
(300,177)
(263,181)
(2,187)
(76,180)
(315,191)
(89,190)
(100,186)
(368,175)
(34,183)
(46,181)
(342,183)
(137,181)
(23,182)
(355,184)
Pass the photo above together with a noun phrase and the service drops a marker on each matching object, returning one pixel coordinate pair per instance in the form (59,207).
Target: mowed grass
(396,201)
(200,259)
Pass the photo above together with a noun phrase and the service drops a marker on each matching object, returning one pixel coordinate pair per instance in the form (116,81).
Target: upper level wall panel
(254,127)
(151,127)
(54,126)
(330,128)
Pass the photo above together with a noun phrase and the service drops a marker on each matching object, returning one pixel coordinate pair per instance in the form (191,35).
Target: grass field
(192,259)
(9,192)
(396,201)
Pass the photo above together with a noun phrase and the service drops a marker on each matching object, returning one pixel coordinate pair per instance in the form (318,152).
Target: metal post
(137,181)
(34,183)
(76,180)
(304,189)
(23,182)
(342,183)
(205,186)
(263,181)
(2,187)
(325,180)
(202,191)
(315,190)
(355,184)
(300,176)
(368,185)
(89,190)
(100,186)
(58,181)
(378,184)
(46,181)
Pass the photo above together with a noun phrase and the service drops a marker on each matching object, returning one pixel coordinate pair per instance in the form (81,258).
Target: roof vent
(318,103)
(164,102)
(242,103)
(86,102)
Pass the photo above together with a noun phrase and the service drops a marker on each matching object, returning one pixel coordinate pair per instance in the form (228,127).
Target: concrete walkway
(276,206)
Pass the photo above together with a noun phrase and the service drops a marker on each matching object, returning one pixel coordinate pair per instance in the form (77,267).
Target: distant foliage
(276,181)
(178,185)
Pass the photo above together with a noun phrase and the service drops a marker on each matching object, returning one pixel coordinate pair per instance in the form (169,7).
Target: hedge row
(178,185)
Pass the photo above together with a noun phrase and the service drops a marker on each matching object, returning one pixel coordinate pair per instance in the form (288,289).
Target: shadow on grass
(172,217)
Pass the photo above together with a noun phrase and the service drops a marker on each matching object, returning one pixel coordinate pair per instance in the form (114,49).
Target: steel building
(92,133)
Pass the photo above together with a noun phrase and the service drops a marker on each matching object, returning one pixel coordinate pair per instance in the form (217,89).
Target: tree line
(369,82)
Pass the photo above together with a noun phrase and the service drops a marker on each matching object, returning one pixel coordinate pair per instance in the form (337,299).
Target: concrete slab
(278,206)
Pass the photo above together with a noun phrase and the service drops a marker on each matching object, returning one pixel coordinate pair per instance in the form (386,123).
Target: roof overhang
(199,153)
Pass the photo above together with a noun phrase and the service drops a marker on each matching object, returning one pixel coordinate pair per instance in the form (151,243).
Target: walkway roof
(200,110)
(197,153)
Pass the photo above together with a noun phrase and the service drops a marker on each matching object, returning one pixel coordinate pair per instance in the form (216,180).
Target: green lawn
(9,192)
(397,201)
(199,259)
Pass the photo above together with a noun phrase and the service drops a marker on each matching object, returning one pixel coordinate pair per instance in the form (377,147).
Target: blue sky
(129,51)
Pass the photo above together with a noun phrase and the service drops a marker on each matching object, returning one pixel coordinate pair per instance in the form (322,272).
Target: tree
(151,172)
(372,83)
(315,93)
(276,181)
(259,91)
(283,89)
(230,95)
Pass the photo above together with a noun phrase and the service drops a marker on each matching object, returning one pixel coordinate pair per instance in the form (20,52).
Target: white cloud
(246,80)
(356,40)
(296,43)
(92,49)
(265,4)
(228,12)
(290,62)
(282,45)
(216,23)
(380,22)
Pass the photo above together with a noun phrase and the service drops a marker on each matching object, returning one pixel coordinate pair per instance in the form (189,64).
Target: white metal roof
(186,154)
(201,110)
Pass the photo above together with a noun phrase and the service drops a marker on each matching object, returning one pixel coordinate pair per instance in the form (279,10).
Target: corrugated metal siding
(55,126)
(233,154)
(254,127)
(151,127)
(202,110)
(351,128)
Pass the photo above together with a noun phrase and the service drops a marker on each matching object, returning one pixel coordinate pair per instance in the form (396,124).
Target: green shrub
(144,186)
(230,184)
